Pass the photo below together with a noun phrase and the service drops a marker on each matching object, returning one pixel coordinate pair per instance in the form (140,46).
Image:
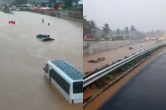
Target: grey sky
(145,15)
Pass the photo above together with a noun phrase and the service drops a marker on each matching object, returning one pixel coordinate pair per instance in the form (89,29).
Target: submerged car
(101,59)
(40,36)
(130,48)
(93,61)
(12,22)
(47,39)
(44,37)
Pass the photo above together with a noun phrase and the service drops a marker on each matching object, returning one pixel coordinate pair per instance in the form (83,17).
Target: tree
(126,31)
(92,26)
(106,30)
(85,26)
(67,3)
(132,28)
(118,32)
(133,31)
(89,27)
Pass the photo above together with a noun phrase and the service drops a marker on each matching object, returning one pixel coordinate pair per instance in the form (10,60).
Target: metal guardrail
(87,81)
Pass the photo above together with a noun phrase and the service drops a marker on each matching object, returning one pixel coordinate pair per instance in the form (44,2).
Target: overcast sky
(145,15)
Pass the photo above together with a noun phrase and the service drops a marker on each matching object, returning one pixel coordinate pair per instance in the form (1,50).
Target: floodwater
(113,55)
(146,91)
(23,85)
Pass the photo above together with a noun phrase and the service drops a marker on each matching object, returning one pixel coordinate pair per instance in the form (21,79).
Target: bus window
(78,87)
(60,81)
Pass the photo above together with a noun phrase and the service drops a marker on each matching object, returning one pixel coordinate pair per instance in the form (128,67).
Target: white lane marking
(161,52)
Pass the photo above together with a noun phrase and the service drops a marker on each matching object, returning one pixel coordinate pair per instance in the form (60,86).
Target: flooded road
(146,91)
(113,55)
(22,57)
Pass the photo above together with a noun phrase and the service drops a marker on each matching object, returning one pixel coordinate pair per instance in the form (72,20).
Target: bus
(67,79)
(24,7)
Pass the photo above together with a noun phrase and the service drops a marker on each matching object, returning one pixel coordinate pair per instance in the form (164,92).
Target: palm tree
(92,26)
(107,31)
(106,28)
(126,30)
(133,31)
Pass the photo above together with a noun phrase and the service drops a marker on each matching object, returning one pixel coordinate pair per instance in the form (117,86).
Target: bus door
(50,73)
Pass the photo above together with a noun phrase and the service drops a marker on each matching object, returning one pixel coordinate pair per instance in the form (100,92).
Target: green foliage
(106,29)
(67,3)
(89,27)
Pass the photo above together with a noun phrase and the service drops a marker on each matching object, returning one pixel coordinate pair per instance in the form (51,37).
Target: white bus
(67,79)
(24,7)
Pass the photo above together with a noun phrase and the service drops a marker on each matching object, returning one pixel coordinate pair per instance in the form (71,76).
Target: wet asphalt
(146,91)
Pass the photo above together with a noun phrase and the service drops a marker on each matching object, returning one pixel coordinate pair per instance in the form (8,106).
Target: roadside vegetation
(106,33)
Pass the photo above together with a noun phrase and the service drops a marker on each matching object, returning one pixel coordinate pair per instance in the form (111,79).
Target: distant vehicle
(24,7)
(67,79)
(17,9)
(41,8)
(44,8)
(13,8)
(35,8)
(12,22)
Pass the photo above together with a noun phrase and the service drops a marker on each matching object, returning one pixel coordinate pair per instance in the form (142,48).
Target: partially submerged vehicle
(47,39)
(66,78)
(130,48)
(12,22)
(98,60)
(44,37)
(40,36)
(93,61)
(101,59)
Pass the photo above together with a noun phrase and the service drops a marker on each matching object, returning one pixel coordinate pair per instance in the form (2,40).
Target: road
(145,91)
(23,85)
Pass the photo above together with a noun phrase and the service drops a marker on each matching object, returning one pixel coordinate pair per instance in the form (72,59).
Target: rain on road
(146,91)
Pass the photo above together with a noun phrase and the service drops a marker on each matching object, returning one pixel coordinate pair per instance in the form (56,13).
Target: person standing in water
(42,20)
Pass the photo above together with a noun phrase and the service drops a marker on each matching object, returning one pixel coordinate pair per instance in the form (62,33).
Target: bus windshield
(78,87)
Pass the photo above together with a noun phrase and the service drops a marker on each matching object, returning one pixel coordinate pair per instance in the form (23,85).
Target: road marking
(161,52)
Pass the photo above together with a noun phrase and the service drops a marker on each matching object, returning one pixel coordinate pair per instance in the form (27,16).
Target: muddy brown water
(23,85)
(113,55)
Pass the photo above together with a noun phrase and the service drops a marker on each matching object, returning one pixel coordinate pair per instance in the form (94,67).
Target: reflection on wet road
(146,91)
